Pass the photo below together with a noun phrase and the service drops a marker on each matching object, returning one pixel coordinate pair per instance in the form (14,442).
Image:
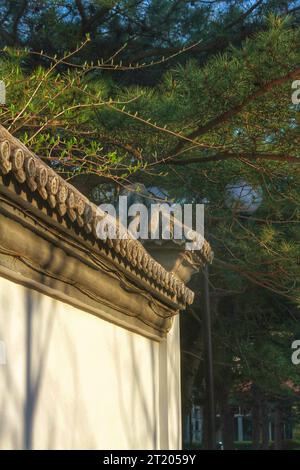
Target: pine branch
(216,45)
(19,13)
(229,114)
(231,155)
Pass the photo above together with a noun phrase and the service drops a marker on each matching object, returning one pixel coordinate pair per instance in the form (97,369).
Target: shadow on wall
(57,390)
(155,404)
(39,345)
(142,409)
(35,366)
(10,396)
(27,322)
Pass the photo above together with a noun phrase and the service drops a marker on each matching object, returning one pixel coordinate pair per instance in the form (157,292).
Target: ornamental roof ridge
(28,169)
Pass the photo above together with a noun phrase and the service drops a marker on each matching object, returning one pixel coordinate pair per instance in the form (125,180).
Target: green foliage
(204,119)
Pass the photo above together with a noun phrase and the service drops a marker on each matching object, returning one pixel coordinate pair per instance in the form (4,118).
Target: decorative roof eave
(200,255)
(28,169)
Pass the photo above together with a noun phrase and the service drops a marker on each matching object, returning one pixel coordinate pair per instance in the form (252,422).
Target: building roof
(64,199)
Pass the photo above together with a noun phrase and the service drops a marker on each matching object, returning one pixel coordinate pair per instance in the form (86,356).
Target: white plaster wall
(74,381)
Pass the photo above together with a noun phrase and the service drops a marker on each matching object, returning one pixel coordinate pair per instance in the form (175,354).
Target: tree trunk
(278,428)
(205,435)
(227,421)
(264,426)
(191,428)
(255,426)
(228,427)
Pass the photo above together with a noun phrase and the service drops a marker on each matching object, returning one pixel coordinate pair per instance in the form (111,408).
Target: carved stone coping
(173,257)
(42,257)
(69,208)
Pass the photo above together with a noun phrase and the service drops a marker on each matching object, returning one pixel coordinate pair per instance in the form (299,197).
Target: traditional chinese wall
(75,381)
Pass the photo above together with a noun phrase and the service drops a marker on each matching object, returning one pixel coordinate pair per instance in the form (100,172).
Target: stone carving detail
(91,219)
(68,201)
(71,206)
(42,178)
(52,188)
(79,206)
(30,170)
(18,165)
(61,198)
(5,163)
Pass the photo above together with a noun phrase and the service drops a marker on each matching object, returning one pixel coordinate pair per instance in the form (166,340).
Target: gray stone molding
(48,241)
